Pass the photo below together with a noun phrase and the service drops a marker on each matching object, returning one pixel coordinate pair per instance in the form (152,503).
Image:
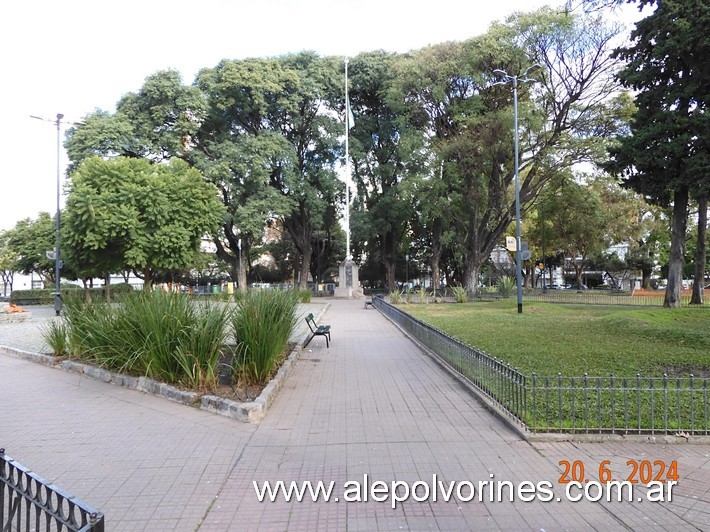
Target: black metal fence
(494,378)
(619,405)
(578,405)
(606,297)
(28,502)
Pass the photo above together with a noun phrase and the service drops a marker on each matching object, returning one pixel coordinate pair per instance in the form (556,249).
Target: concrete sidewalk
(372,404)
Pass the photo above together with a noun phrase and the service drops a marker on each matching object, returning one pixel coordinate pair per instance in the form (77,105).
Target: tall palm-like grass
(506,285)
(262,325)
(305,295)
(460,294)
(164,336)
(55,336)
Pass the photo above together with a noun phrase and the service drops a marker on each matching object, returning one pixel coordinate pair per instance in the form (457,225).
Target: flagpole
(347,167)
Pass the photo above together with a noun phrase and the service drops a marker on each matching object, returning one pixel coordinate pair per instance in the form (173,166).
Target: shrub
(32,297)
(305,295)
(162,335)
(506,285)
(56,337)
(423,296)
(224,297)
(262,325)
(460,294)
(395,297)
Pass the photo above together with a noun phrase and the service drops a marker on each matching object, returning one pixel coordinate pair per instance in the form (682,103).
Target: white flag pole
(347,167)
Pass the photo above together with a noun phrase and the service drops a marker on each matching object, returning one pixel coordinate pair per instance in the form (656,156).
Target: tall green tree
(157,123)
(578,223)
(29,241)
(8,262)
(701,251)
(665,157)
(304,116)
(269,143)
(451,92)
(382,163)
(128,213)
(236,151)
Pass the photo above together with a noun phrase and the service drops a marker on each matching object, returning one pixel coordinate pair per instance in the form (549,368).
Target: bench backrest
(310,319)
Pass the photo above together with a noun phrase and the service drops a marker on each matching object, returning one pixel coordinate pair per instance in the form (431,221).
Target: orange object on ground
(14,308)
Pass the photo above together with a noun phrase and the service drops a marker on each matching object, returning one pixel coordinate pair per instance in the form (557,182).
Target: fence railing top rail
(31,489)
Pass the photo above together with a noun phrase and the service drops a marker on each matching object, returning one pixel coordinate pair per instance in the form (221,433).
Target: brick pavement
(371,404)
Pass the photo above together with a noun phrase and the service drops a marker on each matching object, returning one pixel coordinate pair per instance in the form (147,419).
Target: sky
(75,56)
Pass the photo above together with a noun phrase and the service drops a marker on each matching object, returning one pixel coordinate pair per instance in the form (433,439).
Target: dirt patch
(241,393)
(684,370)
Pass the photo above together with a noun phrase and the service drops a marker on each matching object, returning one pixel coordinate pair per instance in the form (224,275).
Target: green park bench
(318,330)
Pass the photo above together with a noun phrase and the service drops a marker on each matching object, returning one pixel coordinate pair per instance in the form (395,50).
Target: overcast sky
(74,56)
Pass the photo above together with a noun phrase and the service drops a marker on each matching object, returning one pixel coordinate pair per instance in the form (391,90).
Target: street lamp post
(515,79)
(57,259)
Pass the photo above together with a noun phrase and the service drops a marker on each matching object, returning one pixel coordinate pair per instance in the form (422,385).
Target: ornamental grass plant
(506,285)
(55,336)
(262,324)
(163,336)
(460,294)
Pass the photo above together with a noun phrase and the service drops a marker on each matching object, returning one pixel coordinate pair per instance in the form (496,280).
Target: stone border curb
(252,412)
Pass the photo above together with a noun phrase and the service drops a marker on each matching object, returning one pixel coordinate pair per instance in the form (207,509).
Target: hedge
(45,296)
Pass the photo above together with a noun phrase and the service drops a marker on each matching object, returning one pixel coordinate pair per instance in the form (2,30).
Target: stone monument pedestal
(348,281)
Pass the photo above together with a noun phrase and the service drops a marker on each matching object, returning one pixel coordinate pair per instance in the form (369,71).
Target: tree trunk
(675,266)
(389,257)
(578,277)
(241,276)
(471,274)
(87,293)
(701,252)
(147,279)
(646,273)
(107,287)
(305,265)
(241,266)
(437,250)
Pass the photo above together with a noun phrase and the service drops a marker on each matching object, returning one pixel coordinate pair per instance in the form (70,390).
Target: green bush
(69,291)
(32,297)
(395,297)
(262,324)
(423,296)
(460,294)
(56,337)
(305,295)
(506,285)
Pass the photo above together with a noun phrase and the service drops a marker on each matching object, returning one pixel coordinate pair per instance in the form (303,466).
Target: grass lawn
(574,339)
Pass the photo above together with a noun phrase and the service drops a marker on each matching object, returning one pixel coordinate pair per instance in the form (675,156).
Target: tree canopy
(125,214)
(665,156)
(431,149)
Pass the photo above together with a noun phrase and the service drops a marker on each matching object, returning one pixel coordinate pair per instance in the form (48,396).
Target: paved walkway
(373,404)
